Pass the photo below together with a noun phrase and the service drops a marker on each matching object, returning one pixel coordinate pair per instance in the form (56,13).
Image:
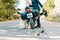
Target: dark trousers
(38,22)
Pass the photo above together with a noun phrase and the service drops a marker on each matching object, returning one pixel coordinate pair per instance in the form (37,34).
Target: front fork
(29,26)
(32,22)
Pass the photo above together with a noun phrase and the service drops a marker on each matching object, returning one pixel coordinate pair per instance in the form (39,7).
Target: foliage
(6,10)
(49,5)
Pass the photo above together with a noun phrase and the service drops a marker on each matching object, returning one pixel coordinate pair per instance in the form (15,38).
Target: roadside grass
(53,18)
(9,18)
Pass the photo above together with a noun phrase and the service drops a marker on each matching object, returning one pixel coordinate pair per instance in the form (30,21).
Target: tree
(6,9)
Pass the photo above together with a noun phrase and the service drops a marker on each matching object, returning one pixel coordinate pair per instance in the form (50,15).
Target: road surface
(11,31)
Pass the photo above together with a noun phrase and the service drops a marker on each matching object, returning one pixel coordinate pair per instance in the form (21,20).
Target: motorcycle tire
(32,24)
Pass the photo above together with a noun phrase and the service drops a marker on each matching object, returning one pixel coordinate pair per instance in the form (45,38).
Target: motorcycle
(31,17)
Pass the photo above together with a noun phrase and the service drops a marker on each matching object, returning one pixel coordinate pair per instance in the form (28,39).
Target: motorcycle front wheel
(32,24)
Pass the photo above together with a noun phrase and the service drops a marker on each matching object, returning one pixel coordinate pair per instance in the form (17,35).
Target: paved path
(11,31)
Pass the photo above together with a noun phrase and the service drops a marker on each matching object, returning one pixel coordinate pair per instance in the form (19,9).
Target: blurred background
(7,9)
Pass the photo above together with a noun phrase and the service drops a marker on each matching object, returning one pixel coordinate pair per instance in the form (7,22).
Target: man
(21,4)
(36,5)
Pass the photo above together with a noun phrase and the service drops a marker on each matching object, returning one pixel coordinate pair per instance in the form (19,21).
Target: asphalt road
(11,31)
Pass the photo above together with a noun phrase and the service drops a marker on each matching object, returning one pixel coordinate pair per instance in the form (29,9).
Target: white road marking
(12,38)
(13,26)
(23,35)
(54,36)
(40,36)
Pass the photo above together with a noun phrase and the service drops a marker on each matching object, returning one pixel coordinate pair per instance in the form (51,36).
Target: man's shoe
(38,26)
(42,31)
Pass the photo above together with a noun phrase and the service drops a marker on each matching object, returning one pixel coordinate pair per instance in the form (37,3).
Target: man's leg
(25,22)
(38,22)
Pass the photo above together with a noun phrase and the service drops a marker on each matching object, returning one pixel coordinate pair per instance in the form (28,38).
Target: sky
(42,1)
(22,4)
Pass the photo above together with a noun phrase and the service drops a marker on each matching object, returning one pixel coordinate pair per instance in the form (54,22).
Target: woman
(36,5)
